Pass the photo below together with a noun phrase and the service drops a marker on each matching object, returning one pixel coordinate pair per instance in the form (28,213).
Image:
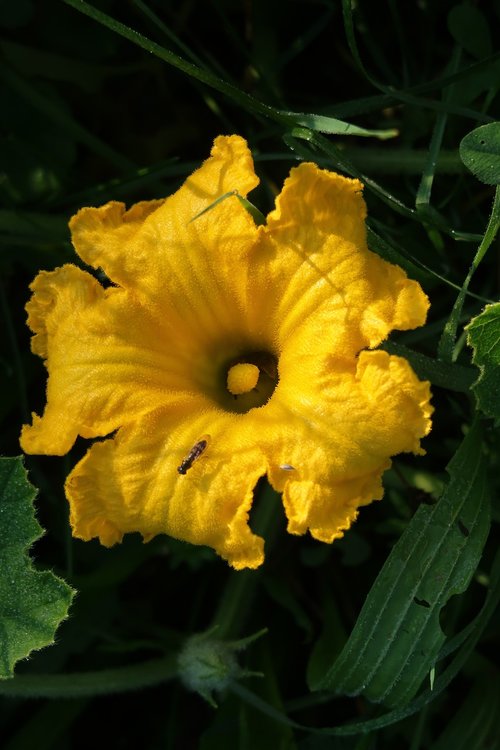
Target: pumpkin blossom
(222,352)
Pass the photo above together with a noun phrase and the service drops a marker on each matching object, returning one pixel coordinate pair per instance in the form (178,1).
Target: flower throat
(249,381)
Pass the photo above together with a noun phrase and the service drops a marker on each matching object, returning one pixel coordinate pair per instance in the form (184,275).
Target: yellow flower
(222,352)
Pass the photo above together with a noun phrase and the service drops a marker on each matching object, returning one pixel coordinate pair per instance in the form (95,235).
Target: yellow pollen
(242,378)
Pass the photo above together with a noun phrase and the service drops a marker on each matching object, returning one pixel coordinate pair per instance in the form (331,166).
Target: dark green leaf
(397,637)
(480,152)
(469,28)
(484,337)
(471,633)
(32,603)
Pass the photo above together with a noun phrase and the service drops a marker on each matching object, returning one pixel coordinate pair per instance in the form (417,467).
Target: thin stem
(447,343)
(423,197)
(81,684)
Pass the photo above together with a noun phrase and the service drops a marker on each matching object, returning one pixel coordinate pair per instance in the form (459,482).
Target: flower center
(242,378)
(249,381)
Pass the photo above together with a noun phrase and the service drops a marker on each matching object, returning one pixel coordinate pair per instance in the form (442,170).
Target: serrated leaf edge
(38,533)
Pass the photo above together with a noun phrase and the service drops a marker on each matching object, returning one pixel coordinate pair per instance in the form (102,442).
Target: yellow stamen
(242,378)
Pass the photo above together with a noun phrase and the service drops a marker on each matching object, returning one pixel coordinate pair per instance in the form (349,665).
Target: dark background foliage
(86,116)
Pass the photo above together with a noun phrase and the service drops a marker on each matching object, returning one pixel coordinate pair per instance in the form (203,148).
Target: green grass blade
(332,126)
(423,197)
(234,93)
(408,97)
(448,338)
(378,102)
(315,122)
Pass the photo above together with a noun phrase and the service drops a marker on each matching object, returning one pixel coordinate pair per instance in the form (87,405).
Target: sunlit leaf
(484,337)
(480,152)
(332,126)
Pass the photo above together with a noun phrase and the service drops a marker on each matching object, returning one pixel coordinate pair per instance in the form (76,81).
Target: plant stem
(101,682)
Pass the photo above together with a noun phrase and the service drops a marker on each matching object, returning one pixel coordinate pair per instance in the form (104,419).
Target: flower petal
(108,361)
(131,483)
(204,293)
(340,445)
(329,510)
(168,242)
(325,277)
